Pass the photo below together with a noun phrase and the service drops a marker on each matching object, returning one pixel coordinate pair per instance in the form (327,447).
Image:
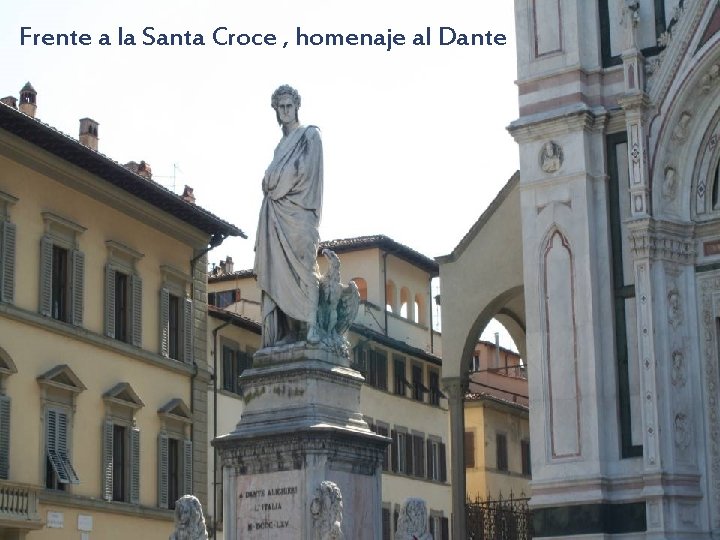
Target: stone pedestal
(301,425)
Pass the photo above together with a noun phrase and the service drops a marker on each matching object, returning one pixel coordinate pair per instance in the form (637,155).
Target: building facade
(497,430)
(103,369)
(392,345)
(617,194)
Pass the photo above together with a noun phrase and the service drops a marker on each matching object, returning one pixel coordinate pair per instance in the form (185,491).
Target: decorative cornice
(662,240)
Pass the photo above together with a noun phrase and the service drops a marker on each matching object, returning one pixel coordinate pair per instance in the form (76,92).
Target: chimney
(229,265)
(89,133)
(10,101)
(28,100)
(497,349)
(188,196)
(143,169)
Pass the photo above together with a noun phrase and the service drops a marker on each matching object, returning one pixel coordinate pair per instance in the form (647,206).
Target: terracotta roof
(482,220)
(239,274)
(234,318)
(386,244)
(65,147)
(484,396)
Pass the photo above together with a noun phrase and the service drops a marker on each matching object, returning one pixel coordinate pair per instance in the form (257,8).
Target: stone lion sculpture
(326,509)
(189,520)
(413,521)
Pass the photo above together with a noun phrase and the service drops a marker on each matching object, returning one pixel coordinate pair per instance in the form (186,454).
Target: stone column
(455,389)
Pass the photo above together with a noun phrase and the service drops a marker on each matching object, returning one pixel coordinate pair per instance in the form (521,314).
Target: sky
(414,138)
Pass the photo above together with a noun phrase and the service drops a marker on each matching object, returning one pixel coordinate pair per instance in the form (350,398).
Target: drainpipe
(386,298)
(215,422)
(432,349)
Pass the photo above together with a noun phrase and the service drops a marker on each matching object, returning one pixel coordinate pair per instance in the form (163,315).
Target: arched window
(362,288)
(405,303)
(420,309)
(390,297)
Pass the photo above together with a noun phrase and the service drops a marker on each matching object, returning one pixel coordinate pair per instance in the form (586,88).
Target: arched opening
(405,303)
(390,297)
(362,288)
(420,310)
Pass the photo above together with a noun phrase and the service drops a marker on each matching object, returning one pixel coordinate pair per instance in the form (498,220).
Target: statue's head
(283,96)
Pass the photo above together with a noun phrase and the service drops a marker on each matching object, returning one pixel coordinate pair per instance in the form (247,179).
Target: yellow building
(497,430)
(393,346)
(103,325)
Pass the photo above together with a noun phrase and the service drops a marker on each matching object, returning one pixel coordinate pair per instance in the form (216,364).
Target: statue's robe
(287,235)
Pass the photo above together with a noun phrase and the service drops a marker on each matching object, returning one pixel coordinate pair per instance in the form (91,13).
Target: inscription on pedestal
(270,506)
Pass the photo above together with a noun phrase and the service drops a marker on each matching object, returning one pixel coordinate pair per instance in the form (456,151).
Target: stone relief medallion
(678,374)
(675,313)
(551,157)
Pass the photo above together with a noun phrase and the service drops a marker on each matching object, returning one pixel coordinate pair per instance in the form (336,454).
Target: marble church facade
(619,204)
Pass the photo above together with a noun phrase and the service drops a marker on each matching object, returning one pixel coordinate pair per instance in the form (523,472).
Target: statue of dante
(287,235)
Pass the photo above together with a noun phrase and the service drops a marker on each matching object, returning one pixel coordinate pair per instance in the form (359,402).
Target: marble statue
(413,521)
(287,235)
(337,306)
(189,520)
(326,509)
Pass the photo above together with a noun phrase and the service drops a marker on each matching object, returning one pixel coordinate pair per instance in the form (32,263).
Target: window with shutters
(525,457)
(381,428)
(59,388)
(234,362)
(469,450)
(438,525)
(436,465)
(418,454)
(386,525)
(176,316)
(7,368)
(121,445)
(435,392)
(175,453)
(401,451)
(123,294)
(372,363)
(62,270)
(399,374)
(501,454)
(8,234)
(418,388)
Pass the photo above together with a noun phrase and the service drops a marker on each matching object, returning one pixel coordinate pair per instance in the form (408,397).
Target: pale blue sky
(414,139)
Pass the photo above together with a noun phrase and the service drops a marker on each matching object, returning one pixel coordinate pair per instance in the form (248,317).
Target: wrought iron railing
(498,519)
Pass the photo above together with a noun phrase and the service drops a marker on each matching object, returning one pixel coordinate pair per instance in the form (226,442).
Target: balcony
(19,506)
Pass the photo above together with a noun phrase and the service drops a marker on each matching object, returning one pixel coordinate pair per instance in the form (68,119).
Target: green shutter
(7,262)
(107,461)
(443,462)
(187,467)
(163,470)
(109,301)
(429,460)
(188,331)
(135,465)
(54,441)
(4,437)
(164,324)
(63,448)
(46,259)
(78,286)
(136,326)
